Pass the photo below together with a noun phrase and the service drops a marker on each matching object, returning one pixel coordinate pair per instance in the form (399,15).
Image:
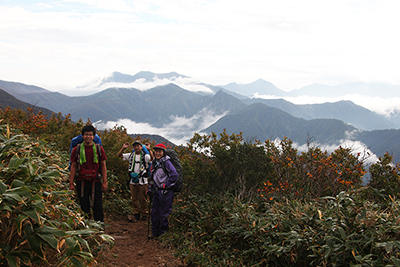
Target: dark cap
(136,142)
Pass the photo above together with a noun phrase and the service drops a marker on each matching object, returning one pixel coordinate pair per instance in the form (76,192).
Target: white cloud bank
(179,131)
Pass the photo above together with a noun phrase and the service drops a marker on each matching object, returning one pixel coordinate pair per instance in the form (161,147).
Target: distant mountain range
(7,100)
(262,87)
(178,96)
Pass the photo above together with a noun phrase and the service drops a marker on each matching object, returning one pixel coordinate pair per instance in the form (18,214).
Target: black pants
(98,214)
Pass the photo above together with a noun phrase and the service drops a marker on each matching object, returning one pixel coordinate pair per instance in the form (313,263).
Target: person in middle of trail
(163,178)
(138,175)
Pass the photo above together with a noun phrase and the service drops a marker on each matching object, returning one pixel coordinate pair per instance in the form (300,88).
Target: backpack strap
(143,162)
(99,154)
(78,152)
(164,168)
(132,161)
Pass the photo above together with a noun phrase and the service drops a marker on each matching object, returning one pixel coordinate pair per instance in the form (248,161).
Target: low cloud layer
(357,148)
(179,131)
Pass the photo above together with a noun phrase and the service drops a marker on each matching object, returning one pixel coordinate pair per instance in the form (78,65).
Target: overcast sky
(290,43)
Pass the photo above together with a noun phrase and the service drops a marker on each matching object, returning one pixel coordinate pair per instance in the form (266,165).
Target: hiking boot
(130,218)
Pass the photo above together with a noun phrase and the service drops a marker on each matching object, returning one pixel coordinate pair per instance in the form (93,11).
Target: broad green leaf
(32,168)
(22,191)
(36,245)
(15,162)
(51,231)
(17,183)
(86,255)
(12,262)
(5,208)
(83,242)
(389,247)
(12,196)
(76,262)
(49,239)
(108,238)
(73,246)
(36,149)
(38,205)
(70,241)
(83,232)
(45,180)
(395,261)
(19,220)
(358,258)
(32,214)
(51,174)
(3,187)
(342,233)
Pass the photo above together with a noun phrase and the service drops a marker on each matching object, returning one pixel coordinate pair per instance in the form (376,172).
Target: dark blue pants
(161,210)
(98,214)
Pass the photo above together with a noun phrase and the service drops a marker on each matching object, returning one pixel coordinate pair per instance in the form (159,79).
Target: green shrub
(40,224)
(385,178)
(344,230)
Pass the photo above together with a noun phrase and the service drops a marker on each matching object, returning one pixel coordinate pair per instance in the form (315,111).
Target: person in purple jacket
(163,177)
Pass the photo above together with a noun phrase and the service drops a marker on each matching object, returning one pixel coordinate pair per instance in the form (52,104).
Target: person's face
(158,153)
(137,148)
(88,138)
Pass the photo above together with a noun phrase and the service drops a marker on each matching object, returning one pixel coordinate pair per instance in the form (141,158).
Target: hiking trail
(132,247)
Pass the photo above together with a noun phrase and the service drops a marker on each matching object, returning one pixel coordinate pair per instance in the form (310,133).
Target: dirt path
(132,247)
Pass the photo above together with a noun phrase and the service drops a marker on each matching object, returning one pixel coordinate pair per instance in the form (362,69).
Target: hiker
(138,175)
(89,167)
(164,177)
(79,139)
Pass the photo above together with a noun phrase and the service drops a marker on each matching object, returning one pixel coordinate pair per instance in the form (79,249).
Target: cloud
(381,105)
(290,43)
(357,148)
(179,131)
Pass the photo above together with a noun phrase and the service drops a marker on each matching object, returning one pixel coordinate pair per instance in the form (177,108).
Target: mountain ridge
(259,118)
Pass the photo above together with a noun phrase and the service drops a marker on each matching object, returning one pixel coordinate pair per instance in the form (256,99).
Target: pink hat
(160,146)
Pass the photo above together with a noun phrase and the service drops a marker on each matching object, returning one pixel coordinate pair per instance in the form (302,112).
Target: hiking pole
(148,216)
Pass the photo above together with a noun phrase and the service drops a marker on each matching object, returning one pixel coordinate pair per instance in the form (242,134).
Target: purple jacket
(160,177)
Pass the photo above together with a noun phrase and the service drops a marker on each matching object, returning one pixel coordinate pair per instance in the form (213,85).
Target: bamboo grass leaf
(19,220)
(15,162)
(33,215)
(12,261)
(3,187)
(342,233)
(49,239)
(36,245)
